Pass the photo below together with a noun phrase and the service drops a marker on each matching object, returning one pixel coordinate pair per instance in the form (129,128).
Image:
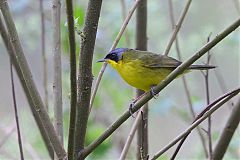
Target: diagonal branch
(177,27)
(185,84)
(201,117)
(160,87)
(28,80)
(227,133)
(100,74)
(11,54)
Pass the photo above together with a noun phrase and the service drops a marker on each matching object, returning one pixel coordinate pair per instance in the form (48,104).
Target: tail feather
(202,67)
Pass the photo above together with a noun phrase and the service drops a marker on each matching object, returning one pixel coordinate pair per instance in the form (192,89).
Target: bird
(143,69)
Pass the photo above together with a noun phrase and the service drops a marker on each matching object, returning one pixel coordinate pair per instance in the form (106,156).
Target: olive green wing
(152,60)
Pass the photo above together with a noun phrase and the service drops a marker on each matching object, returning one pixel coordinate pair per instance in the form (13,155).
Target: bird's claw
(131,108)
(155,95)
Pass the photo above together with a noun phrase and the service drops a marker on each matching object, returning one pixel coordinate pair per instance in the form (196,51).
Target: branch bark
(177,27)
(57,79)
(85,72)
(141,44)
(100,74)
(44,58)
(201,117)
(73,77)
(31,89)
(227,133)
(16,112)
(185,84)
(11,54)
(160,87)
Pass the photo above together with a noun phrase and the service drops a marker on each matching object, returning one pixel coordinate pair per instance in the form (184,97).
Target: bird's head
(115,55)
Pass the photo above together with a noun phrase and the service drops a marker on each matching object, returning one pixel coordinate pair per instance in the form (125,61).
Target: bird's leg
(132,104)
(155,95)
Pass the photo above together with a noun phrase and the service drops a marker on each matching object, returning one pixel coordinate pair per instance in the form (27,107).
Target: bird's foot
(155,95)
(132,104)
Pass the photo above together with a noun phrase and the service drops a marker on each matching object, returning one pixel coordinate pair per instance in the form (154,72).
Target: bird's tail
(201,67)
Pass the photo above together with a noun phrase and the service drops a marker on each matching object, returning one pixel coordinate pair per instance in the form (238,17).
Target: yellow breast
(138,76)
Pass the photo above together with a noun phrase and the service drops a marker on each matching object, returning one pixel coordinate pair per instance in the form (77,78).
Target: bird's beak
(102,60)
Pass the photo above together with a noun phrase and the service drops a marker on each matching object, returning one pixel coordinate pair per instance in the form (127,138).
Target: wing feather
(158,61)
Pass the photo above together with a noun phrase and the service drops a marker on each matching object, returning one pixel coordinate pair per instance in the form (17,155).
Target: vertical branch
(209,131)
(11,53)
(85,72)
(227,133)
(57,80)
(28,83)
(185,85)
(16,113)
(72,47)
(44,58)
(141,44)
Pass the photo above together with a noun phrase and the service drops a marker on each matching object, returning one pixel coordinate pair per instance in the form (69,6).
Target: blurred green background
(168,114)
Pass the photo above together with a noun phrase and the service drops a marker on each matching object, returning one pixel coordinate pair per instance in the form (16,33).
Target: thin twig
(16,113)
(201,117)
(73,78)
(11,53)
(7,136)
(209,132)
(123,6)
(160,87)
(27,146)
(100,74)
(30,88)
(185,85)
(44,58)
(220,79)
(131,135)
(177,27)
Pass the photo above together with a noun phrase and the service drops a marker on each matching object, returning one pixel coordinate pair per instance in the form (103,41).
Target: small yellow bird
(144,69)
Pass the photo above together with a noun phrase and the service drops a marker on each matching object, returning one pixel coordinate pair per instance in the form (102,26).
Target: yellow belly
(138,76)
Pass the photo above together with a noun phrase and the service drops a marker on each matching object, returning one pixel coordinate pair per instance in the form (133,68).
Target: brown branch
(160,87)
(185,85)
(141,44)
(11,53)
(57,78)
(16,112)
(85,72)
(27,81)
(131,135)
(209,131)
(227,133)
(100,74)
(73,77)
(211,108)
(44,58)
(177,27)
